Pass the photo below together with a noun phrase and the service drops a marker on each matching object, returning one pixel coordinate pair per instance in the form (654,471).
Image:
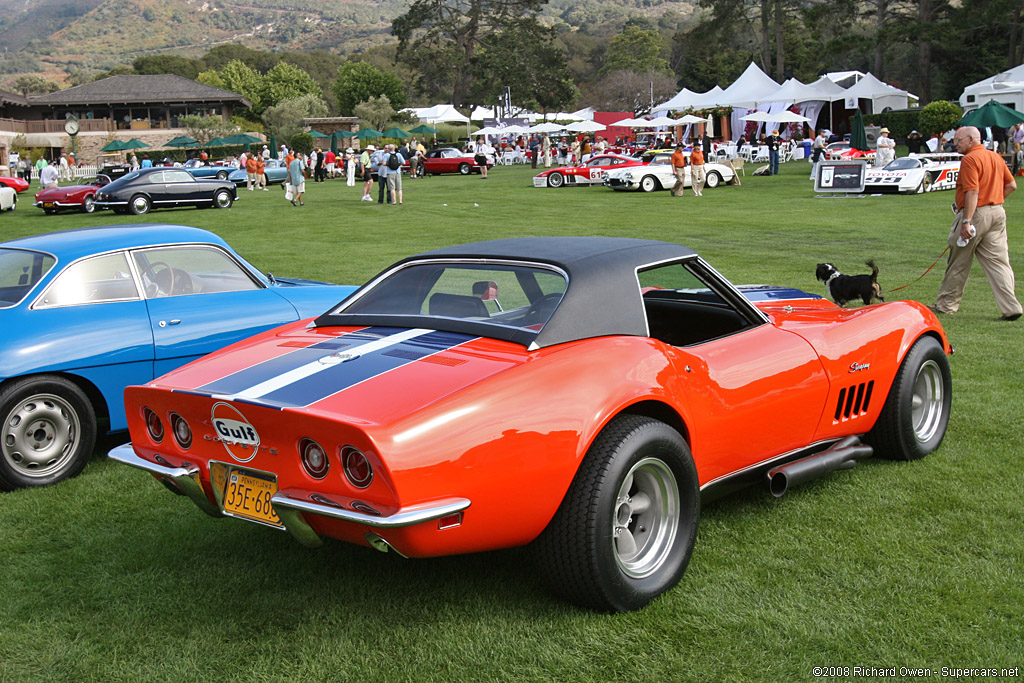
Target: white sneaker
(266,190)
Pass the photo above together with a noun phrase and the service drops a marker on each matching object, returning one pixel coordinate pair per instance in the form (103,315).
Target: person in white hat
(367,166)
(885,148)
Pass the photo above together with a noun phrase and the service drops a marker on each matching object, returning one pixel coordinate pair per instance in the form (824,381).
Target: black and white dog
(843,288)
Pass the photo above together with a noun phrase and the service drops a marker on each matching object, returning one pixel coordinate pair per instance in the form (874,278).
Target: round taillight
(314,458)
(357,467)
(153,425)
(182,432)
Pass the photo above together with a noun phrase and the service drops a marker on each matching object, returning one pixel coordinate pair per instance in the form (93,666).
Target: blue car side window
(90,281)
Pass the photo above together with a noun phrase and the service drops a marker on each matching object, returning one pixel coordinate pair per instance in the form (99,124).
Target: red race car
(590,173)
(580,394)
(16,184)
(77,197)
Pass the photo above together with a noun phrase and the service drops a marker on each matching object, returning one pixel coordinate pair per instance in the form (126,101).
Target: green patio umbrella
(992,114)
(241,139)
(396,132)
(273,146)
(214,142)
(113,146)
(181,141)
(135,143)
(334,142)
(368,133)
(318,134)
(858,138)
(424,129)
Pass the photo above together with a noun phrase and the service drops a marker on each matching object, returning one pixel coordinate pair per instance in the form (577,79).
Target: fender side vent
(854,401)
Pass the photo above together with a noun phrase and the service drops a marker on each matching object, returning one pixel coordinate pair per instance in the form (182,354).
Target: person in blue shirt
(146,162)
(297,179)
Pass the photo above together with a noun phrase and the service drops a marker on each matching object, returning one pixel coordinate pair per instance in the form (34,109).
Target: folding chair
(737,167)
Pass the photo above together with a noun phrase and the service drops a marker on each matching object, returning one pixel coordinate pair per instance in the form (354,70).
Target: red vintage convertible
(77,197)
(16,184)
(583,395)
(447,160)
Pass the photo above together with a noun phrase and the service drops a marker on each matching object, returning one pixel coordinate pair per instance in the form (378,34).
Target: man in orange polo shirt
(679,169)
(979,230)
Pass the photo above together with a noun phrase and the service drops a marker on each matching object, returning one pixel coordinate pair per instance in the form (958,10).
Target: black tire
(222,175)
(465,169)
(649,184)
(50,212)
(88,205)
(222,199)
(625,530)
(713,180)
(47,434)
(556,180)
(139,204)
(14,204)
(916,412)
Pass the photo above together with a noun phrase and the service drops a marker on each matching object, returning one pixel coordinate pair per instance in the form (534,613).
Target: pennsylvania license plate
(248,495)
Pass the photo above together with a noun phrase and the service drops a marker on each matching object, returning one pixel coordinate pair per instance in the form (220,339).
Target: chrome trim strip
(407,516)
(185,479)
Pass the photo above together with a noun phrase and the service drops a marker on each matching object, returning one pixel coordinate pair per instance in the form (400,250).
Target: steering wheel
(181,283)
(541,309)
(161,282)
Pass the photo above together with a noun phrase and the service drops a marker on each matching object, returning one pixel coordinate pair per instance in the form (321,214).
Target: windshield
(504,295)
(19,272)
(904,164)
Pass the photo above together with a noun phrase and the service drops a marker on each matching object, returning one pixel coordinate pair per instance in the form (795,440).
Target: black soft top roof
(603,295)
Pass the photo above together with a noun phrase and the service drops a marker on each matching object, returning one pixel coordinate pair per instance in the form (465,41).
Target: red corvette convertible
(580,394)
(77,197)
(16,184)
(590,173)
(447,160)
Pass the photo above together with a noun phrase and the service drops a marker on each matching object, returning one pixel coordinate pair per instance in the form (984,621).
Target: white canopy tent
(440,113)
(882,95)
(1006,87)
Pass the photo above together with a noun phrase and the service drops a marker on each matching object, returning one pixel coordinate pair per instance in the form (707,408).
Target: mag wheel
(88,205)
(556,180)
(48,432)
(916,412)
(222,175)
(625,531)
(465,169)
(140,204)
(222,200)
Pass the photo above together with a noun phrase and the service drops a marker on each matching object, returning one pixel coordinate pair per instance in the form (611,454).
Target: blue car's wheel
(48,431)
(625,530)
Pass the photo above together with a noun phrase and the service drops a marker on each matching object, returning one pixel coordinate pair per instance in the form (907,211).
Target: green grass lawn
(109,577)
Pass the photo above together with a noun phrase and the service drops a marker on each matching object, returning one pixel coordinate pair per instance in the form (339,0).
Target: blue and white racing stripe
(305,376)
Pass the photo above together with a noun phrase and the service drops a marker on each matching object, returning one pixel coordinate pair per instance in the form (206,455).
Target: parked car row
(647,173)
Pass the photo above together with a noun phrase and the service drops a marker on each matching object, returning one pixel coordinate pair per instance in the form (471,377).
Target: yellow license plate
(248,495)
(47,205)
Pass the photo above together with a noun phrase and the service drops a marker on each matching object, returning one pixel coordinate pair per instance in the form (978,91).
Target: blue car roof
(69,245)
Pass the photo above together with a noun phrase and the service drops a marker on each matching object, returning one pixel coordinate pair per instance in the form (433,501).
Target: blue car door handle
(165,323)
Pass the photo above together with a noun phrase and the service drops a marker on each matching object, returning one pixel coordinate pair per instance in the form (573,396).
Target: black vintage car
(160,187)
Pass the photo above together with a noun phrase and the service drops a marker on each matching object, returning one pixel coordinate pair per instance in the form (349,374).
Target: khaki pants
(697,177)
(989,245)
(680,173)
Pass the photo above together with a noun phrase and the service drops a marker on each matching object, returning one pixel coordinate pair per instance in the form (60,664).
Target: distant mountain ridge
(61,35)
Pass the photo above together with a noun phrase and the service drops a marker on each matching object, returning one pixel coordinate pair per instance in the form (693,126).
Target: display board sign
(841,176)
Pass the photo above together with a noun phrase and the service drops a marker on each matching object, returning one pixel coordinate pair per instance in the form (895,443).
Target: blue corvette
(85,313)
(200,169)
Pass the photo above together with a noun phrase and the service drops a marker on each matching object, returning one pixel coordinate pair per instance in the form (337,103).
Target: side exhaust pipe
(841,455)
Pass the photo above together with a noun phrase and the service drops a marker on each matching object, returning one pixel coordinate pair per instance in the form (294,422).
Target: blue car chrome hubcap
(40,435)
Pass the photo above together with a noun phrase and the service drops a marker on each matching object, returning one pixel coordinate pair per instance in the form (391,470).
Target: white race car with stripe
(915,174)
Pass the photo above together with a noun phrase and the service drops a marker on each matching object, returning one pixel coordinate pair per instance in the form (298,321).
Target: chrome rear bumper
(287,504)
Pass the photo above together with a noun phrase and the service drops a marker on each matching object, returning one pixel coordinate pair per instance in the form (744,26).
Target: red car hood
(363,375)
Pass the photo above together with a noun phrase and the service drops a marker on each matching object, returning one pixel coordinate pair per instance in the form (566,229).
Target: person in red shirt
(697,170)
(250,172)
(331,158)
(979,229)
(679,169)
(261,176)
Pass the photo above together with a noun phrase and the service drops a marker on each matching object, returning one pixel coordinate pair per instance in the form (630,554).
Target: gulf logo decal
(312,374)
(240,438)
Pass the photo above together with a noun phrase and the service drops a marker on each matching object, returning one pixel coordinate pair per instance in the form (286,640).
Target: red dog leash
(922,274)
